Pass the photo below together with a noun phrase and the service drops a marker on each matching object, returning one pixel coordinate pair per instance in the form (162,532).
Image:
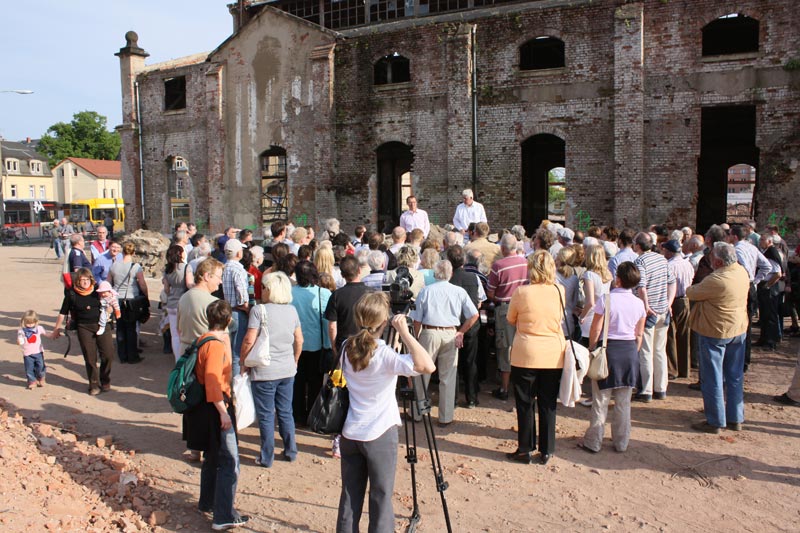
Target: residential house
(78,178)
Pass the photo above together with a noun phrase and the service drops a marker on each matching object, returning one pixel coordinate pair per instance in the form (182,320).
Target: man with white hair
(377,269)
(415,218)
(331,229)
(564,238)
(719,317)
(234,288)
(438,325)
(468,211)
(507,274)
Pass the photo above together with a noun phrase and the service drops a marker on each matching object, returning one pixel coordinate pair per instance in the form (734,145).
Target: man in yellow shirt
(719,316)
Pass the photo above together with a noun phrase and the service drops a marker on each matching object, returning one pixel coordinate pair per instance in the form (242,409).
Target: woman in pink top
(626,317)
(537,356)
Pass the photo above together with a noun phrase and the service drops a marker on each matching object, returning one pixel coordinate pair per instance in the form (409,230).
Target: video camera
(400,290)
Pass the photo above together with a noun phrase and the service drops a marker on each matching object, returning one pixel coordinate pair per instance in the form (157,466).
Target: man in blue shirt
(102,264)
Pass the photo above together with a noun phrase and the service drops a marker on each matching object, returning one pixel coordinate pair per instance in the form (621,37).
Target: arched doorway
(543,179)
(394,161)
(727,139)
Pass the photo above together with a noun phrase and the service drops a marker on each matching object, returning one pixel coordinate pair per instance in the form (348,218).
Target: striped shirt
(757,266)
(683,271)
(656,275)
(507,274)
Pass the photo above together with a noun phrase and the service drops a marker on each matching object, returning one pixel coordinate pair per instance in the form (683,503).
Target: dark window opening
(274,185)
(543,180)
(541,53)
(394,160)
(731,34)
(727,145)
(393,68)
(175,93)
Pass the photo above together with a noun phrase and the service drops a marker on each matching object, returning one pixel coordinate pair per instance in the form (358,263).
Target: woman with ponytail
(369,437)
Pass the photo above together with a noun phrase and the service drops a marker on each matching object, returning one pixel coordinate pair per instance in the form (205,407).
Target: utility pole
(3,169)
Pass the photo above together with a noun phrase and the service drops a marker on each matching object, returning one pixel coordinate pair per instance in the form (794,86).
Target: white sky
(63,50)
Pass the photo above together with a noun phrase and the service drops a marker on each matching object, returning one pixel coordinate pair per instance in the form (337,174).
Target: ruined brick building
(318,108)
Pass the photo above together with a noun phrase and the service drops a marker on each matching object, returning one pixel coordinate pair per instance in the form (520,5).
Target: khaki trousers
(441,344)
(620,425)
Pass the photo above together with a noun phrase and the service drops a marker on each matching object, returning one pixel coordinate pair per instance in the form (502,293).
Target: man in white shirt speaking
(468,211)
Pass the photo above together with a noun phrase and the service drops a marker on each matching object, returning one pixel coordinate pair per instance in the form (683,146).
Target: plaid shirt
(234,283)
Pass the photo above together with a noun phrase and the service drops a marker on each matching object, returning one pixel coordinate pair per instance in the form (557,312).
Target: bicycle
(12,235)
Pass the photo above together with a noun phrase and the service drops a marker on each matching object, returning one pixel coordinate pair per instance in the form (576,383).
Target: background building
(78,178)
(316,109)
(26,174)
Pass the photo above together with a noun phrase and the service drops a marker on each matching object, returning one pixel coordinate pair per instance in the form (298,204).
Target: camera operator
(407,257)
(369,438)
(437,323)
(467,365)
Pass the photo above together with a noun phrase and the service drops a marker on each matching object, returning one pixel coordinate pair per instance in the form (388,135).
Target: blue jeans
(34,367)
(218,478)
(269,397)
(722,368)
(237,330)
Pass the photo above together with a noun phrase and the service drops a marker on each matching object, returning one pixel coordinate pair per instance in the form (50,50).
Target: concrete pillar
(629,186)
(131,62)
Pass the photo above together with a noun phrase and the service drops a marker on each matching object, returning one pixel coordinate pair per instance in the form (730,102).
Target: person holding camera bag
(369,437)
(127,278)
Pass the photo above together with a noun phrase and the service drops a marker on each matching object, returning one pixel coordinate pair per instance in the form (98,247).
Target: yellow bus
(98,207)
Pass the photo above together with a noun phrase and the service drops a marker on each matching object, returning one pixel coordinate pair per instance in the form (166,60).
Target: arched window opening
(274,185)
(394,161)
(556,194)
(730,34)
(393,68)
(741,185)
(541,53)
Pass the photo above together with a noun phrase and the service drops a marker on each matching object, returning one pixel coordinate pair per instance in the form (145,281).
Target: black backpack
(183,390)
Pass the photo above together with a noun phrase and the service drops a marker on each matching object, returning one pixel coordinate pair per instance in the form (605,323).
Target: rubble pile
(151,250)
(54,480)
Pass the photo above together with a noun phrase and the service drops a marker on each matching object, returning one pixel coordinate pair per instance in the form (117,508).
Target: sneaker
(238,521)
(644,398)
(785,400)
(500,394)
(735,426)
(705,427)
(336,450)
(659,395)
(586,402)
(94,391)
(100,331)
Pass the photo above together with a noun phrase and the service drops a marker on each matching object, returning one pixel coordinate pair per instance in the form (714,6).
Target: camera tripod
(410,400)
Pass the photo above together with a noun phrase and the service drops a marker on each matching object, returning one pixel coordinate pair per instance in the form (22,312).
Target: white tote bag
(259,353)
(245,408)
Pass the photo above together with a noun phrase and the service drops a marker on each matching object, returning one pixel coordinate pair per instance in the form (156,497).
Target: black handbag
(136,309)
(329,411)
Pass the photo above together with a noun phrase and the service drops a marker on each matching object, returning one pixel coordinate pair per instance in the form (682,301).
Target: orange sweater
(214,369)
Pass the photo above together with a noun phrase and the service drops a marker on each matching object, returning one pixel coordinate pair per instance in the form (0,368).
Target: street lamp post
(3,167)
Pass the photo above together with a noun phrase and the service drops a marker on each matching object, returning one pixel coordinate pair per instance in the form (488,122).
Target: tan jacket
(719,303)
(490,251)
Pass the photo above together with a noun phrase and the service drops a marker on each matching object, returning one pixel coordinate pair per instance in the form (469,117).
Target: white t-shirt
(373,406)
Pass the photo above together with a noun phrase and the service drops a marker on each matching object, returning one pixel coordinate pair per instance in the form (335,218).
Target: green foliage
(556,194)
(792,64)
(85,136)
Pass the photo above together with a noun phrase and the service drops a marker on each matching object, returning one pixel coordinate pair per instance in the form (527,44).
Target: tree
(85,136)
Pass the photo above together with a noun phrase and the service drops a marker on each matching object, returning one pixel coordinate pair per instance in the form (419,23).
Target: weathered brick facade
(627,104)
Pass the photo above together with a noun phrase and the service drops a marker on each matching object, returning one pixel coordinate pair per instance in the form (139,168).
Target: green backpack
(183,390)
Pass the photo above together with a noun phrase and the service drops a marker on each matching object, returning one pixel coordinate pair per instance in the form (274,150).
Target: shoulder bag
(329,411)
(259,353)
(136,309)
(598,362)
(326,359)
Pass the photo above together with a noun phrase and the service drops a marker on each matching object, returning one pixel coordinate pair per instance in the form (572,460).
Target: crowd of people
(664,303)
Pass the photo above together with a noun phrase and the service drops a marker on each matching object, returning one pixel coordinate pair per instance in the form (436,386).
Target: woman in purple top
(626,317)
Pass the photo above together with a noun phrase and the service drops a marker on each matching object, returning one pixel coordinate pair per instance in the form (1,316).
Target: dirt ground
(670,479)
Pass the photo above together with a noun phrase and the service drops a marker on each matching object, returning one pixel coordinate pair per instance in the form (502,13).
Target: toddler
(29,337)
(109,302)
